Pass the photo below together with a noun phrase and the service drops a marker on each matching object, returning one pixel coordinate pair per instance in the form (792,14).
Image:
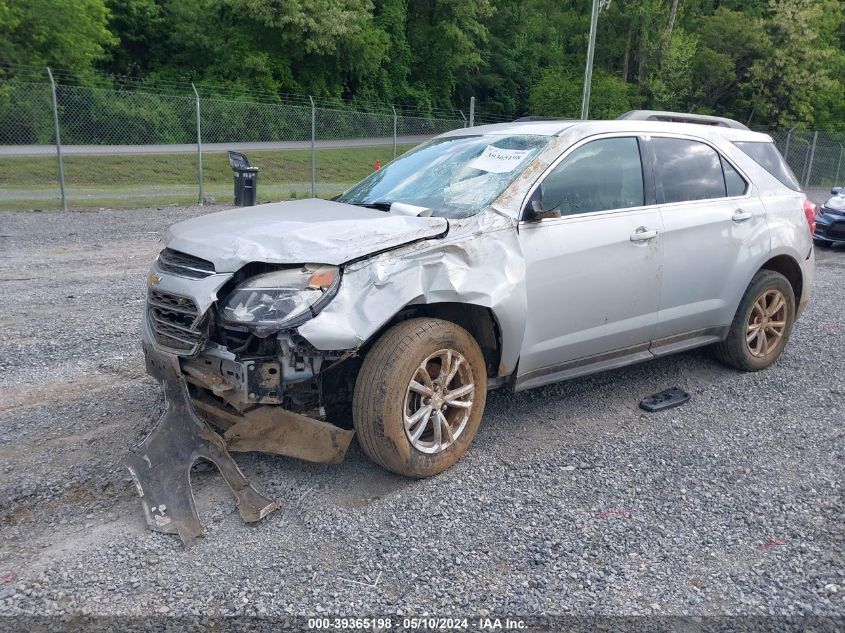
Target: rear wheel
(762,324)
(419,397)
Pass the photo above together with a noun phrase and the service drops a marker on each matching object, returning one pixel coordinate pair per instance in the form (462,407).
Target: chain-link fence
(125,147)
(816,157)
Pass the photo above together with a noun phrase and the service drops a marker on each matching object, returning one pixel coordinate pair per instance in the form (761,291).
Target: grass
(30,182)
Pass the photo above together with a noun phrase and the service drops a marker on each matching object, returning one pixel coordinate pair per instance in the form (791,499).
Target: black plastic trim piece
(666,399)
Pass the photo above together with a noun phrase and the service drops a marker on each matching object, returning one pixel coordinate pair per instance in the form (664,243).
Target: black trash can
(246,179)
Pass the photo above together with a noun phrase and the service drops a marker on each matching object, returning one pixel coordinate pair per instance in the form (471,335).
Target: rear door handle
(642,234)
(741,215)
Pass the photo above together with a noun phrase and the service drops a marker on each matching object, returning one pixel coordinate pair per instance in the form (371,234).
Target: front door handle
(642,234)
(741,215)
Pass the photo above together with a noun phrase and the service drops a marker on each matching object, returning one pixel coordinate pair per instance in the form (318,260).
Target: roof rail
(681,117)
(523,119)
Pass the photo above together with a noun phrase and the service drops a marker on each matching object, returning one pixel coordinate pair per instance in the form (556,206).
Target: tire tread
(371,384)
(731,350)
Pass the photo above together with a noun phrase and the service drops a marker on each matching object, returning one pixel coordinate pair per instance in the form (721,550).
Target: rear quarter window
(765,154)
(734,183)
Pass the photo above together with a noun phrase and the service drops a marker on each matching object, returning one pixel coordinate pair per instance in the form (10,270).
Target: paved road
(80,150)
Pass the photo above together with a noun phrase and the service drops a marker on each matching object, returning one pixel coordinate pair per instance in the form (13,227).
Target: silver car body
(569,295)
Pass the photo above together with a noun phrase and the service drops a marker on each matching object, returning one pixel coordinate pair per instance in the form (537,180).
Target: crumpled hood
(296,232)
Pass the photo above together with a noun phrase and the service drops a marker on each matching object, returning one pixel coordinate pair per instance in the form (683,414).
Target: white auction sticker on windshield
(498,160)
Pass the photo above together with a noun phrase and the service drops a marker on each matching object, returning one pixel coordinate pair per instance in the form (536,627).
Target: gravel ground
(571,501)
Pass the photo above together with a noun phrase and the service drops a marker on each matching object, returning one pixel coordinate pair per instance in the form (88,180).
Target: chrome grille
(184,265)
(174,321)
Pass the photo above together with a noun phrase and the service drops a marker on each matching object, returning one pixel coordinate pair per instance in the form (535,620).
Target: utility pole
(588,71)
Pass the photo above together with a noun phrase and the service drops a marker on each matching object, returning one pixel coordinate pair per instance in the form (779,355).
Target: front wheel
(419,397)
(762,324)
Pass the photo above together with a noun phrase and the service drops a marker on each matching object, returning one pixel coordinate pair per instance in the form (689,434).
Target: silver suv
(510,255)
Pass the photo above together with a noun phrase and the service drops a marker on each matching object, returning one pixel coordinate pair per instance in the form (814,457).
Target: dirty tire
(734,350)
(378,405)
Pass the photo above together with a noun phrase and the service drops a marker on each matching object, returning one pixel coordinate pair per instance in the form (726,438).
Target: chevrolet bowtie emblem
(153,279)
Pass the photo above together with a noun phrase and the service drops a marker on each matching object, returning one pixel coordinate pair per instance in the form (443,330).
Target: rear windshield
(767,156)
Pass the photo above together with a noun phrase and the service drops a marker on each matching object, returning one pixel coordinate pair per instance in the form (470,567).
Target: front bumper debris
(161,465)
(278,431)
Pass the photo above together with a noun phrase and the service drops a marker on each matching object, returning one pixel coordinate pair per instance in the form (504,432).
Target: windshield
(455,177)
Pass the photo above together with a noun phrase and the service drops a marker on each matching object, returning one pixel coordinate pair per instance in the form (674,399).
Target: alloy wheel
(438,401)
(766,323)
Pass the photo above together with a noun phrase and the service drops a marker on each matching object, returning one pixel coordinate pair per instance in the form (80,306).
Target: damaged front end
(259,351)
(233,387)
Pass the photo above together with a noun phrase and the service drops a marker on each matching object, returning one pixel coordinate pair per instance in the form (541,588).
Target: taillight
(810,214)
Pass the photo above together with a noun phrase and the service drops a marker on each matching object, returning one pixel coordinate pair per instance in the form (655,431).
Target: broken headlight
(284,298)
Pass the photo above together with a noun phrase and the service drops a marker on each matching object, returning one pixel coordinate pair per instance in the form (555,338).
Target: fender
(480,263)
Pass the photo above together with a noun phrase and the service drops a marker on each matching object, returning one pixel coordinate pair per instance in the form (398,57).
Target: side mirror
(534,212)
(836,190)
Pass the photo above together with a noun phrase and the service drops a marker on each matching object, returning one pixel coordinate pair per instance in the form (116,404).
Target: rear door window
(688,170)
(768,157)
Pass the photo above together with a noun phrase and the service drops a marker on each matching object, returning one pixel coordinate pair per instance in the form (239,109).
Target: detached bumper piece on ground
(161,464)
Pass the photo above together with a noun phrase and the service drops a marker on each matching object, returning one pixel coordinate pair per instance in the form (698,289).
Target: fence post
(463,117)
(313,148)
(838,165)
(812,158)
(394,131)
(788,137)
(58,140)
(199,144)
(804,168)
(472,111)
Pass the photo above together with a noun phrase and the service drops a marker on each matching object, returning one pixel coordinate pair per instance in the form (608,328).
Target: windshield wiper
(381,205)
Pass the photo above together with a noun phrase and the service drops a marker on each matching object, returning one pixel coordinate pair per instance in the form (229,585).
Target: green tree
(446,38)
(771,62)
(69,34)
(799,64)
(390,80)
(729,43)
(558,93)
(671,84)
(137,25)
(324,48)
